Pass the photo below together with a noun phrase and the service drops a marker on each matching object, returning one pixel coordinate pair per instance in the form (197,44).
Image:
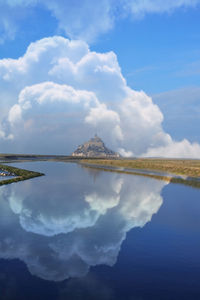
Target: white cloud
(140,8)
(102,117)
(72,16)
(14,114)
(183,149)
(60,93)
(125,153)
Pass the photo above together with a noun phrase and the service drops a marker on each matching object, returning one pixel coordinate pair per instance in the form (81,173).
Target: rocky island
(95,147)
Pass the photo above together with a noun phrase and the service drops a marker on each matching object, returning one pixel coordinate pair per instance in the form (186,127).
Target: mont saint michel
(95,147)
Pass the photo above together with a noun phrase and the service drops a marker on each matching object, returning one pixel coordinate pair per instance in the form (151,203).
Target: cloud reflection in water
(65,222)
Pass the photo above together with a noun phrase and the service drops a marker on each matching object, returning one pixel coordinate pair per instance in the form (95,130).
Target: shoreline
(178,180)
(181,171)
(177,171)
(181,167)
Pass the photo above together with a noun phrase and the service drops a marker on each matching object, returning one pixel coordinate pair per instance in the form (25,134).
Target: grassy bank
(186,167)
(189,182)
(20,174)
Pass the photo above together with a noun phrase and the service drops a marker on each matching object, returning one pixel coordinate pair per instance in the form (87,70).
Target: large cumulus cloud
(60,93)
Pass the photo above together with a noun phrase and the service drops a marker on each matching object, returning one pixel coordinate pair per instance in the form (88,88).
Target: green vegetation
(20,174)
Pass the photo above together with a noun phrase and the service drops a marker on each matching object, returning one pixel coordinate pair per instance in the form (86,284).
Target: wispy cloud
(190,69)
(143,70)
(85,19)
(140,8)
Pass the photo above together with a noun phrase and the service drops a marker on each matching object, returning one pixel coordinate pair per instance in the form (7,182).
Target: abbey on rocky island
(95,147)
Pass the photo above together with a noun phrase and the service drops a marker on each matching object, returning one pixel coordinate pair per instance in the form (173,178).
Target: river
(79,233)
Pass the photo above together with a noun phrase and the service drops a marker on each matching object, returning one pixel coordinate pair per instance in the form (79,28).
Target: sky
(128,70)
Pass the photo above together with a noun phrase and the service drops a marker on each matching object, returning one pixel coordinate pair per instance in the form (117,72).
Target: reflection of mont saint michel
(95,147)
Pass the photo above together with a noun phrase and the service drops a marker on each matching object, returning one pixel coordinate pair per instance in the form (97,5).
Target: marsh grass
(187,168)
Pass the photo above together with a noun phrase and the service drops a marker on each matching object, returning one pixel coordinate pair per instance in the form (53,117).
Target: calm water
(79,233)
(5,177)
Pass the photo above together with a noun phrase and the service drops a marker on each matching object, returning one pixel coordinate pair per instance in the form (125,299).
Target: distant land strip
(19,174)
(182,171)
(185,167)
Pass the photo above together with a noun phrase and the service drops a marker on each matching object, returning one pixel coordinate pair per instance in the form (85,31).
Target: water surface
(79,233)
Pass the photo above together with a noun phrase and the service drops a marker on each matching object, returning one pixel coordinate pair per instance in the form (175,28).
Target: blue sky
(157,53)
(157,47)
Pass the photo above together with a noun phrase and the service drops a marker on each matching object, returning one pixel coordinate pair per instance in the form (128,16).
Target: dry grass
(190,182)
(185,167)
